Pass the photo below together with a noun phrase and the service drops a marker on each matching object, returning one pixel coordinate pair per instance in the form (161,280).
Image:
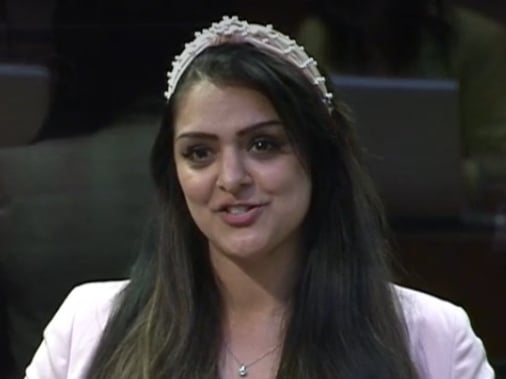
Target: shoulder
(87,305)
(315,36)
(70,338)
(478,37)
(423,309)
(442,340)
(95,294)
(312,26)
(477,25)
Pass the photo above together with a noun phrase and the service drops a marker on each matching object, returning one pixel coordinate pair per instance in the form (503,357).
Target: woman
(271,261)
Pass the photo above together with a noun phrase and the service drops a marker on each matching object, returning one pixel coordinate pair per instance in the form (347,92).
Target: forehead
(214,108)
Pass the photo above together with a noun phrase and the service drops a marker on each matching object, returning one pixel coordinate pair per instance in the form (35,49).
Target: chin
(244,249)
(246,254)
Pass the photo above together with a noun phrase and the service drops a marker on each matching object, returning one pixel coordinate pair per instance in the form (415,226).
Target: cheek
(287,178)
(197,187)
(300,190)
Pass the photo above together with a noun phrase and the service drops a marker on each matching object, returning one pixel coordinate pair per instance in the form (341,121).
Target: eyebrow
(242,132)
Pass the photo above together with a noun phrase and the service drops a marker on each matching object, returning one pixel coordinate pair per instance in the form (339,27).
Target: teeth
(237,209)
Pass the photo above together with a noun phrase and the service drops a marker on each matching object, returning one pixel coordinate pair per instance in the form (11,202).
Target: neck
(256,296)
(257,287)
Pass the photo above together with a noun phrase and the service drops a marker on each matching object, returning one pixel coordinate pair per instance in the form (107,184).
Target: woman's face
(244,186)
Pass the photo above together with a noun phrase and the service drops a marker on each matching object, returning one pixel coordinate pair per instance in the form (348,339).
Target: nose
(233,173)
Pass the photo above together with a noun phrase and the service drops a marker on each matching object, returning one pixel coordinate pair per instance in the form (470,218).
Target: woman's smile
(241,215)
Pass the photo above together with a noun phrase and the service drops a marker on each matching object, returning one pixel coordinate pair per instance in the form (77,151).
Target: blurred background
(81,84)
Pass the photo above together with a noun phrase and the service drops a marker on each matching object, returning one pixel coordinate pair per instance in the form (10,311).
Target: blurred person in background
(422,39)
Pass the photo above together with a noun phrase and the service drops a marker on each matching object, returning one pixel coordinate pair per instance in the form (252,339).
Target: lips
(238,209)
(240,215)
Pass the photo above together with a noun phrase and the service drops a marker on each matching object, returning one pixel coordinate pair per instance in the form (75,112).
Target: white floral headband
(231,29)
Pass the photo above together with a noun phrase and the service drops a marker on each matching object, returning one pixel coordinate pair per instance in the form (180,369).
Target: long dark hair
(384,35)
(346,321)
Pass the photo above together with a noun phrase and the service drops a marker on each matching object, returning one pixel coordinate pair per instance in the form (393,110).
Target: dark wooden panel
(467,269)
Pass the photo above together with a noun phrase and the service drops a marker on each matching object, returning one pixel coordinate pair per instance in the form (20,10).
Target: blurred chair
(411,133)
(24,105)
(71,210)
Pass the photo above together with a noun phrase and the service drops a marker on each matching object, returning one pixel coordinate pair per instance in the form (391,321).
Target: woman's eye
(198,154)
(264,145)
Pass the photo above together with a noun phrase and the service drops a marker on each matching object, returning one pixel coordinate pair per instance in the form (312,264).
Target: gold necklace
(243,367)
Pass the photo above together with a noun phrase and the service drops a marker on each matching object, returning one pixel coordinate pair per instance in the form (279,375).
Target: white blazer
(442,341)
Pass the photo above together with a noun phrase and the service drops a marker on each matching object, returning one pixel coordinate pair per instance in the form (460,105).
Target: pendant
(243,371)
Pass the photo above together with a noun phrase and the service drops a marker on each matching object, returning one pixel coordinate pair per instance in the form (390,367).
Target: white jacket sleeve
(469,357)
(51,358)
(72,336)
